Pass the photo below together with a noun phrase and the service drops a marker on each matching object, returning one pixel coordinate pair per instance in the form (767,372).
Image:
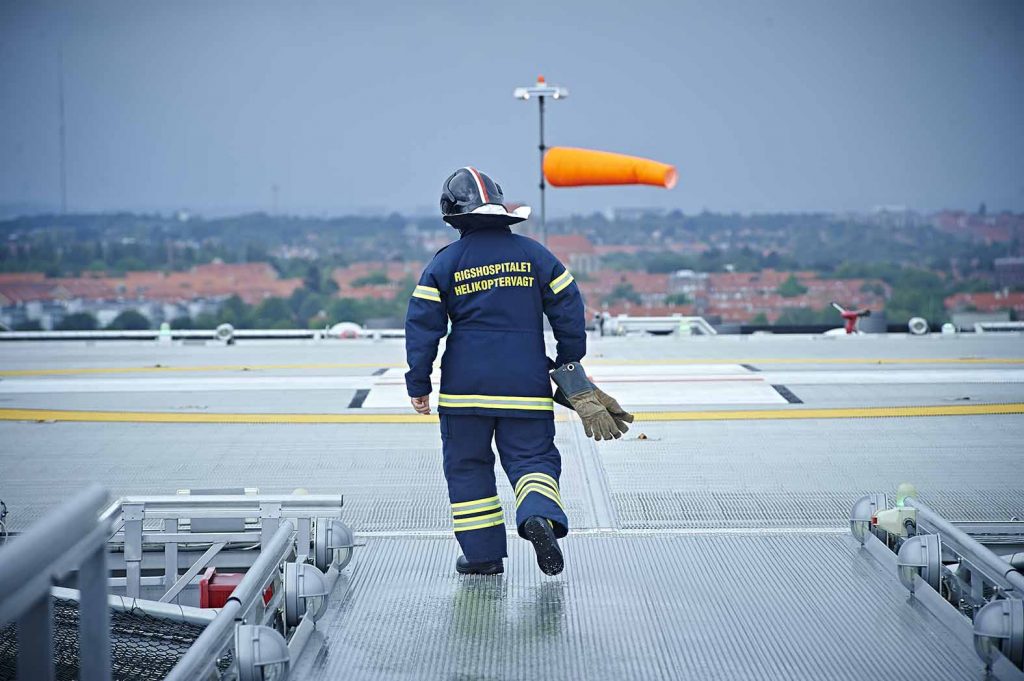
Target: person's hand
(421,404)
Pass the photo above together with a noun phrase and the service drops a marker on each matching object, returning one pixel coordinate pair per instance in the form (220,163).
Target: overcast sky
(348,106)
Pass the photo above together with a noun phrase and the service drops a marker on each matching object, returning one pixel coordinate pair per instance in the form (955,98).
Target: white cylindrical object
(918,326)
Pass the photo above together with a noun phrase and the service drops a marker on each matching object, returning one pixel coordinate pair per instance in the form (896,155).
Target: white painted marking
(631,395)
(634,386)
(894,376)
(612,371)
(183,384)
(394,396)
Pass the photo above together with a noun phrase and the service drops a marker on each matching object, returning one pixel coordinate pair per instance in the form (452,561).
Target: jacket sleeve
(426,322)
(563,305)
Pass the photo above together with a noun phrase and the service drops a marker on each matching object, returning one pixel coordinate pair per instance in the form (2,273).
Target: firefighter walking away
(495,288)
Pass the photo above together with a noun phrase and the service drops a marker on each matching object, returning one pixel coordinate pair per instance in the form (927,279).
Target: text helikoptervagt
(514,270)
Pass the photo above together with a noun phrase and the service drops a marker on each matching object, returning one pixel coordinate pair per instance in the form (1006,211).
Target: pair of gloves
(603,418)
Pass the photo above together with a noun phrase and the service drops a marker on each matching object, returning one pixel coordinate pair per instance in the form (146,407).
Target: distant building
(634,214)
(575,251)
(375,280)
(161,296)
(689,283)
(998,301)
(1009,272)
(1000,228)
(738,297)
(965,321)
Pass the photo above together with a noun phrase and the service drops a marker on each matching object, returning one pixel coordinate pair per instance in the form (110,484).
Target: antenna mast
(63,143)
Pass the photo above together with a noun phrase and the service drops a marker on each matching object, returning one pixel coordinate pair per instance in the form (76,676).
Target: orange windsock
(570,167)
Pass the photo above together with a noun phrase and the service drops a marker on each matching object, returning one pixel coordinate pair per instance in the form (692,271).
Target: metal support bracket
(186,578)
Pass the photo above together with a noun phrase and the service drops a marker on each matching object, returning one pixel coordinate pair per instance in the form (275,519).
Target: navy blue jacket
(495,287)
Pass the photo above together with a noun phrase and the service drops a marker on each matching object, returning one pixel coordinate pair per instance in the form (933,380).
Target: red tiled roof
(26,291)
(608,249)
(564,246)
(987,302)
(251,281)
(396,272)
(21,277)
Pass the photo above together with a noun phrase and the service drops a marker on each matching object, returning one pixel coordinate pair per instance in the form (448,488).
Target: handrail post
(94,617)
(133,516)
(70,537)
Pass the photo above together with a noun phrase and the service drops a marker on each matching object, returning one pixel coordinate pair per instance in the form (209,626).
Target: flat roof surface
(710,542)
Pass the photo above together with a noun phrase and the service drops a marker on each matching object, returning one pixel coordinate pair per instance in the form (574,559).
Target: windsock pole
(543,211)
(541,90)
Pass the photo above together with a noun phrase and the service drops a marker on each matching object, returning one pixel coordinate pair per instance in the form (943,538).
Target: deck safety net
(143,647)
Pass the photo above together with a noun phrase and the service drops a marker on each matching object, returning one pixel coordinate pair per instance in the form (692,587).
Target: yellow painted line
(832,413)
(196,417)
(731,415)
(377,365)
(159,368)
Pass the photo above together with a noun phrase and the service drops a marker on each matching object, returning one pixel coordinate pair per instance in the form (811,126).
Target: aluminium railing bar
(969,548)
(204,651)
(69,537)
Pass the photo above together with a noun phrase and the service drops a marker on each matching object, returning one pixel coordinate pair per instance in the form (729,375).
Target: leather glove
(618,414)
(582,395)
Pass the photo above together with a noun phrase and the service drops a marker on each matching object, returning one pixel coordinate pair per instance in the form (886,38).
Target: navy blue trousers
(531,462)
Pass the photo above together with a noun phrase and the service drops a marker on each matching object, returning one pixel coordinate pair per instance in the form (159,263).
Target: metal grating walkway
(637,606)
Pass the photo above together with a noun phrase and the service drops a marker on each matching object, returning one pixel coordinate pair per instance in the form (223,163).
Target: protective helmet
(470,198)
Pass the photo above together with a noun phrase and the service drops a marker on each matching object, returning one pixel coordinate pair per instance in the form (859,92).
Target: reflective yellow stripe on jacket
(477,514)
(496,402)
(561,281)
(427,293)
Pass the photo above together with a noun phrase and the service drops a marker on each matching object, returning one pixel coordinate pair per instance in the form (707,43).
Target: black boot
(538,531)
(492,567)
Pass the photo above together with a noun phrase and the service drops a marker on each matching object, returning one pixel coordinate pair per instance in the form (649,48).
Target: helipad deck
(712,547)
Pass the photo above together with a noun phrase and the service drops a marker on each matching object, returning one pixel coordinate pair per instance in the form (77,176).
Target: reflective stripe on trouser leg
(538,494)
(478,514)
(533,465)
(477,517)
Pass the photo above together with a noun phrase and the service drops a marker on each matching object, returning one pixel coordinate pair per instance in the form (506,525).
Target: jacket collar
(473,229)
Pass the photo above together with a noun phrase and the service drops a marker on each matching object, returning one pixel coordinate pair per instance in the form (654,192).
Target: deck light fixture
(333,544)
(261,653)
(305,589)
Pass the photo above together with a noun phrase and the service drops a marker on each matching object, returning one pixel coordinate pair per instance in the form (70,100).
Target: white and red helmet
(470,197)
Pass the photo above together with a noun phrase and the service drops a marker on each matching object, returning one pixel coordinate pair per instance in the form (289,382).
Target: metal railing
(71,537)
(678,324)
(177,532)
(196,335)
(986,567)
(998,327)
(202,656)
(256,518)
(976,593)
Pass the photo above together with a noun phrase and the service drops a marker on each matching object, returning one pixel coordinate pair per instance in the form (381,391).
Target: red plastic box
(216,587)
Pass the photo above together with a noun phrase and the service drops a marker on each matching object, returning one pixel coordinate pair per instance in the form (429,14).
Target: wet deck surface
(711,548)
(634,606)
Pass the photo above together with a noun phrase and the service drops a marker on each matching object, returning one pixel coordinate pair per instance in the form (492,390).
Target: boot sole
(549,556)
(489,571)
